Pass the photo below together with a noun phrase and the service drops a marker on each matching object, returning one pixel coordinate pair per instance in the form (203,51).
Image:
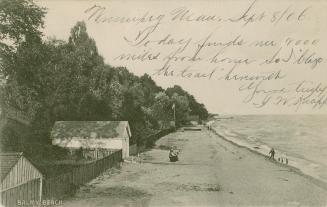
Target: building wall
(22,194)
(22,172)
(76,143)
(126,147)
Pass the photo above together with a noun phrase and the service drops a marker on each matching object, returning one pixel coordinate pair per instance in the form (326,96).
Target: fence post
(41,189)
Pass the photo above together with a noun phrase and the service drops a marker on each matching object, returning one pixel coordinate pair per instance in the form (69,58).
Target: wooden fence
(54,188)
(59,186)
(90,153)
(95,153)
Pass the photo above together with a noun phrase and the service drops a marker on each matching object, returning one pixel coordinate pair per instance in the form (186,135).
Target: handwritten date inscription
(273,53)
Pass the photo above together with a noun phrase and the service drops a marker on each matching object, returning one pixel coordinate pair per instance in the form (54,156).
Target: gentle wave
(256,141)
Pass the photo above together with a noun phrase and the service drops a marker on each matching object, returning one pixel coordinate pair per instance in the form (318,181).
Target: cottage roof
(88,129)
(8,160)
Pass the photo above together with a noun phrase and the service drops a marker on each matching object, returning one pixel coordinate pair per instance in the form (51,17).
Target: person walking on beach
(272,154)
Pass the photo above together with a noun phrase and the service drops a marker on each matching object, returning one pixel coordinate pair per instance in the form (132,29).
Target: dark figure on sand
(173,155)
(272,154)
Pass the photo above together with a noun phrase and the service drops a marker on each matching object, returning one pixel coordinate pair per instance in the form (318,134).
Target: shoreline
(211,172)
(314,179)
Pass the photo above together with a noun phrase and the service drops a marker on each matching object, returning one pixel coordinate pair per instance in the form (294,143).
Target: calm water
(302,138)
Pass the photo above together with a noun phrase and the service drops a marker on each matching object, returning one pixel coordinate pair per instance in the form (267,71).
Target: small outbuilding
(21,181)
(74,135)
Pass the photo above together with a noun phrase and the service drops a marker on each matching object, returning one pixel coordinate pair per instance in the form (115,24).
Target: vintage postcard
(163,103)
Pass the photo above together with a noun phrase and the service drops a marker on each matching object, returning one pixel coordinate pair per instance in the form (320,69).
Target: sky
(219,95)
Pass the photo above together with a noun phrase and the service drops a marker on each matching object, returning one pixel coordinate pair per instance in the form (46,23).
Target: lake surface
(302,139)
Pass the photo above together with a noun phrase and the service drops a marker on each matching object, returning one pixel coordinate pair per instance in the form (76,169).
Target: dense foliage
(51,80)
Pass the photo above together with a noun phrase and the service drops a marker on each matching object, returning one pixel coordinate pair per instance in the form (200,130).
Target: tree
(181,107)
(84,50)
(52,80)
(150,89)
(196,108)
(27,78)
(20,21)
(161,109)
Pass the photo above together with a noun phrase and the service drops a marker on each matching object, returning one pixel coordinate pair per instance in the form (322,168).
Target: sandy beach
(211,172)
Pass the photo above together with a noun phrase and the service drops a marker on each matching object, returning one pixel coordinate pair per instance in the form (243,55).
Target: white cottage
(92,135)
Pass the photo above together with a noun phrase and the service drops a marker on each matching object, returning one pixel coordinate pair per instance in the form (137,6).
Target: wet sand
(211,172)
